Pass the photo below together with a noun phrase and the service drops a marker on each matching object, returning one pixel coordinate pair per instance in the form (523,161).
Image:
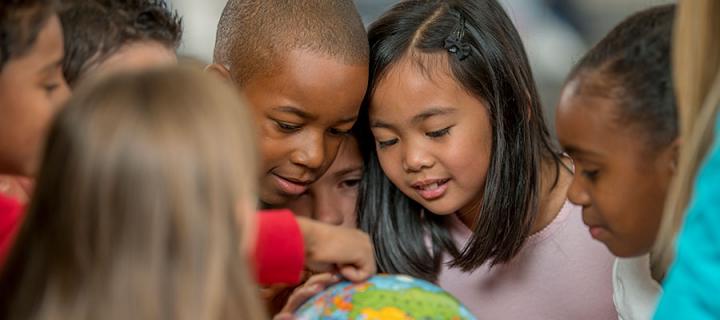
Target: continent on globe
(384,297)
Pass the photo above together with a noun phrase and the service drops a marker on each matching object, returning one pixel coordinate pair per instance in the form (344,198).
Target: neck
(468,214)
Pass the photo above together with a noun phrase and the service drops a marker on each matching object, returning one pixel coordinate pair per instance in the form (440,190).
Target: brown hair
(140,201)
(696,69)
(253,34)
(20,23)
(97,29)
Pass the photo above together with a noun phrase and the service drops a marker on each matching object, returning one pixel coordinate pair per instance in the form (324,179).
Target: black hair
(487,58)
(96,29)
(253,34)
(21,21)
(632,66)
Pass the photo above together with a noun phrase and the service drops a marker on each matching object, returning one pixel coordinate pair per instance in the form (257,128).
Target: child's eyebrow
(575,151)
(380,124)
(434,111)
(348,170)
(51,66)
(348,119)
(295,111)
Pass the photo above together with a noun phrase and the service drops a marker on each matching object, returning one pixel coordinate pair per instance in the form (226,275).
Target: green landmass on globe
(384,297)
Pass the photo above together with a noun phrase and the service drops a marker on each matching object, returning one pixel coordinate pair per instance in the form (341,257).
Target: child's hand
(301,294)
(329,248)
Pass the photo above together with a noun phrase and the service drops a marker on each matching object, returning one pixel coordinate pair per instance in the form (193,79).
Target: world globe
(386,297)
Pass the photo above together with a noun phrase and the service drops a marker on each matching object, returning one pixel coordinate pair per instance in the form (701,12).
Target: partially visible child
(139,211)
(333,198)
(464,185)
(303,67)
(692,284)
(135,34)
(32,90)
(617,119)
(103,36)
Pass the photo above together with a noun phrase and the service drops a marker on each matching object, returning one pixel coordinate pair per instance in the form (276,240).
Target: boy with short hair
(303,66)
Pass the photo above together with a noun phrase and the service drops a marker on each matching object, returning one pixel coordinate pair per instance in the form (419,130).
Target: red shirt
(280,250)
(10,215)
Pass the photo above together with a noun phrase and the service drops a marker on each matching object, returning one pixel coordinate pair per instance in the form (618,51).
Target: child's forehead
(306,69)
(44,54)
(319,87)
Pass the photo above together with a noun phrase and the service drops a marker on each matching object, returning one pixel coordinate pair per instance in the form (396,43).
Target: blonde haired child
(143,207)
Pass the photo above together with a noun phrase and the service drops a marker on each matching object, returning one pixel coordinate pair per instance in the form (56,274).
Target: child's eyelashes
(386,143)
(439,133)
(590,174)
(287,127)
(50,87)
(340,133)
(350,183)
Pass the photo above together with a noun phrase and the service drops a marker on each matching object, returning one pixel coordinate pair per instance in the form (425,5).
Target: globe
(386,297)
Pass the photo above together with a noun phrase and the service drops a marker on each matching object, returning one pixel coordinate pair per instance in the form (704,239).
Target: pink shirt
(561,273)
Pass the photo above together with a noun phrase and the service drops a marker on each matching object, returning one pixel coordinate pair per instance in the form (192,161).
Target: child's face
(32,89)
(619,182)
(433,139)
(332,199)
(304,110)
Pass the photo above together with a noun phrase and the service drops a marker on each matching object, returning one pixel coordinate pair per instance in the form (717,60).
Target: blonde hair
(696,66)
(138,210)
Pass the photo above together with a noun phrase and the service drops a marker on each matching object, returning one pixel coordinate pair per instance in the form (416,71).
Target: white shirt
(635,292)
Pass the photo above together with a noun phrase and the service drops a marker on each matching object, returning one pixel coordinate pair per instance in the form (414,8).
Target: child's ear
(219,70)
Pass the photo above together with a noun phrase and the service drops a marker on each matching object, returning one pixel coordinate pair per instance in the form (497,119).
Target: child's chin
(440,210)
(626,252)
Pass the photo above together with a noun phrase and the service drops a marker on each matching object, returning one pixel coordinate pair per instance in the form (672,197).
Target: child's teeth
(433,186)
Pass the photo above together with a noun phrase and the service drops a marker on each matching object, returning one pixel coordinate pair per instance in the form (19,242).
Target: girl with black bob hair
(463,183)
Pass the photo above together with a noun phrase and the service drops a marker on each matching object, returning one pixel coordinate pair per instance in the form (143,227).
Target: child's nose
(416,159)
(577,193)
(311,154)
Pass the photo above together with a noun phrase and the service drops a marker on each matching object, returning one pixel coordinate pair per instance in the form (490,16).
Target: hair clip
(455,44)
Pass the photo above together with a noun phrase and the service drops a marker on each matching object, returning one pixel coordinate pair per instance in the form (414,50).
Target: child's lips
(431,189)
(597,230)
(291,186)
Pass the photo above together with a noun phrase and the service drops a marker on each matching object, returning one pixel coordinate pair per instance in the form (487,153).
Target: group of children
(425,132)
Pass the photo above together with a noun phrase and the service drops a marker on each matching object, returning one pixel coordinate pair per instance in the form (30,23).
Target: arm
(286,243)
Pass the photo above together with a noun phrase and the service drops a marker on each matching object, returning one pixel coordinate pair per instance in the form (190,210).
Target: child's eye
(350,183)
(386,143)
(287,127)
(590,174)
(49,88)
(439,133)
(339,133)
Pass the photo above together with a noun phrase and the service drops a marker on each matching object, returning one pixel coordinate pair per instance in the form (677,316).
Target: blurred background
(556,33)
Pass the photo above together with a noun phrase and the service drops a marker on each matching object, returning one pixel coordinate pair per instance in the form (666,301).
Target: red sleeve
(280,251)
(10,215)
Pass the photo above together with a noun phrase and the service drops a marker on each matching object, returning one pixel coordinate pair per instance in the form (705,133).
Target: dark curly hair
(632,66)
(20,23)
(95,29)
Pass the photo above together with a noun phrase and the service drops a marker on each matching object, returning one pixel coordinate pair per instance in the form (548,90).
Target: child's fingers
(323,279)
(356,274)
(284,316)
(299,297)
